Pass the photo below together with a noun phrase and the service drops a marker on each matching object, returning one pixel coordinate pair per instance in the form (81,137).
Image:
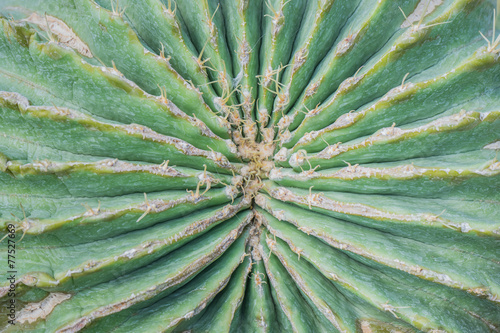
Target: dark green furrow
(290,299)
(258,312)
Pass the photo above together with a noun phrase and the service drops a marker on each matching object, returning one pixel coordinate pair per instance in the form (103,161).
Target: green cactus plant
(249,166)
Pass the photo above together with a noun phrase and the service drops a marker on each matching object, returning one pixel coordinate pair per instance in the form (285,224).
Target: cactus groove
(249,166)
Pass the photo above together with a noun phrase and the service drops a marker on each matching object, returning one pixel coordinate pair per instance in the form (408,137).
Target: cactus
(249,166)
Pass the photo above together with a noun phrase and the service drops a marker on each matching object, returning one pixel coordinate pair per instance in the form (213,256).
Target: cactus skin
(250,166)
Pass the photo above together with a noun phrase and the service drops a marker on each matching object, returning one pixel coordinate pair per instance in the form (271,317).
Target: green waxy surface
(130,251)
(205,24)
(419,101)
(106,139)
(243,20)
(249,166)
(86,219)
(137,63)
(407,54)
(258,313)
(361,37)
(98,178)
(473,130)
(191,298)
(335,303)
(163,277)
(402,252)
(434,304)
(321,24)
(280,26)
(290,299)
(218,317)
(458,176)
(125,102)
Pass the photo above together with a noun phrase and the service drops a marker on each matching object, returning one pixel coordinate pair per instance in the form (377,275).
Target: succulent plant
(249,166)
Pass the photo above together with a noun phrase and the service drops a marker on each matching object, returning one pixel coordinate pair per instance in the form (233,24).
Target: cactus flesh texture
(249,166)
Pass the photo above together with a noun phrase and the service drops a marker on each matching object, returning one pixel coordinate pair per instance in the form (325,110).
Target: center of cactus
(258,158)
